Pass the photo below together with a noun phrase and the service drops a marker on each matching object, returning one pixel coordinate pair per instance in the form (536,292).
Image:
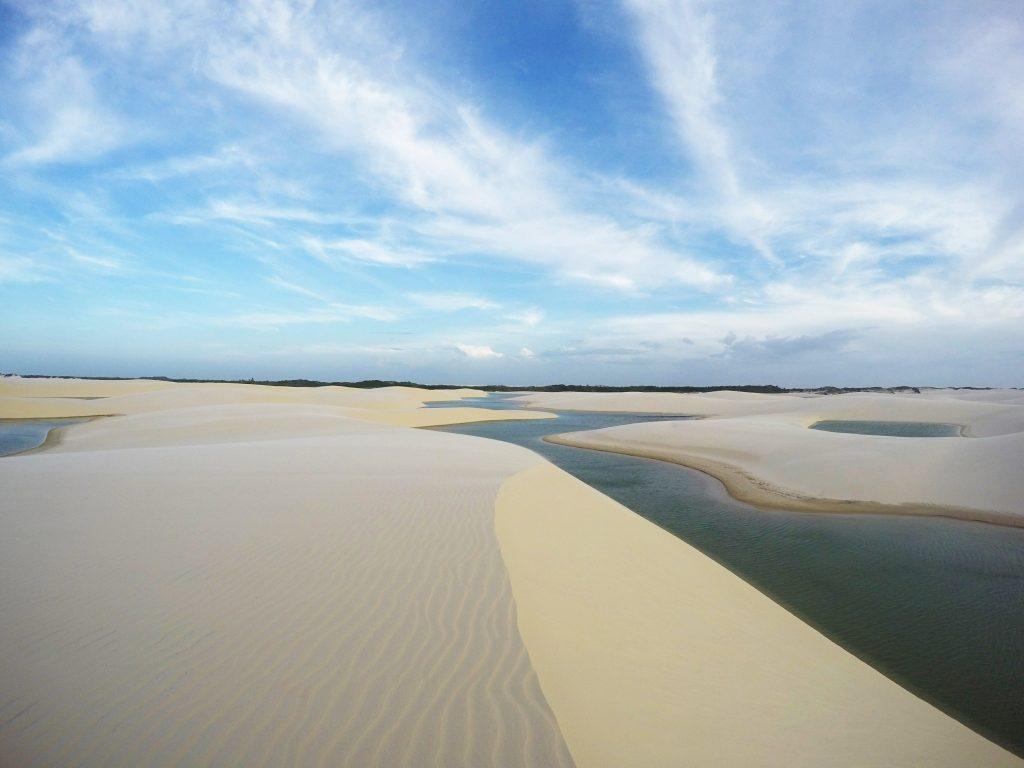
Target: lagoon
(935,604)
(890,428)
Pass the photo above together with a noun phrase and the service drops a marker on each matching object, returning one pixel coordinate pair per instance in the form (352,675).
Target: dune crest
(760,446)
(279,585)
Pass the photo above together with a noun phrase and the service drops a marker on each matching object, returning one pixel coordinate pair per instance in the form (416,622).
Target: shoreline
(342,589)
(55,435)
(677,648)
(747,488)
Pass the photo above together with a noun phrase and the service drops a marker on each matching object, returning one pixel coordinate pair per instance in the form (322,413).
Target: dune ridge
(651,654)
(229,575)
(761,448)
(400,406)
(327,594)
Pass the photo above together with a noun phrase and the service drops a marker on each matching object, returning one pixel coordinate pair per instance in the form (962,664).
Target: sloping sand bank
(981,414)
(763,451)
(652,655)
(401,406)
(262,585)
(232,575)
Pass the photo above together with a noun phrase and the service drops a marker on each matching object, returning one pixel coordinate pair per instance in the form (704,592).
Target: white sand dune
(279,586)
(401,406)
(651,654)
(760,447)
(998,412)
(236,576)
(18,386)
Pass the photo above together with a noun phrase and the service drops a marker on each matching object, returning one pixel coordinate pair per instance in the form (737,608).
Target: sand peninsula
(239,575)
(761,448)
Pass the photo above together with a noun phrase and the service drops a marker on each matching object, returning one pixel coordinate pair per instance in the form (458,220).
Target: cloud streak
(811,183)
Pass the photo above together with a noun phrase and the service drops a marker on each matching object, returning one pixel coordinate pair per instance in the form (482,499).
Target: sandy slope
(981,413)
(231,575)
(653,655)
(262,585)
(759,445)
(59,398)
(16,386)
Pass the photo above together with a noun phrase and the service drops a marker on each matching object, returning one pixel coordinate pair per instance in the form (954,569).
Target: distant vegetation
(375,383)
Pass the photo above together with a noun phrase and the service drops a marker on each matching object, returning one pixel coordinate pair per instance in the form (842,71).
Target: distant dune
(761,448)
(262,584)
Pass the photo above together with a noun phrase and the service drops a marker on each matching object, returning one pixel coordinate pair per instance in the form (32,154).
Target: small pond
(17,435)
(890,428)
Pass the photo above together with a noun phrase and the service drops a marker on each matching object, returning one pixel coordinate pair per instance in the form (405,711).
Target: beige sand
(760,447)
(17,386)
(982,414)
(36,398)
(651,654)
(262,585)
(233,576)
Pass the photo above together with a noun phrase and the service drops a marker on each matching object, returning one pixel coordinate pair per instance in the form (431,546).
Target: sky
(668,192)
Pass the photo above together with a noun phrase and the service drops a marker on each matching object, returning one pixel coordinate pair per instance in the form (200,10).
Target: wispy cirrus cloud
(63,118)
(295,288)
(329,315)
(478,188)
(676,39)
(22,269)
(373,252)
(829,174)
(451,302)
(91,261)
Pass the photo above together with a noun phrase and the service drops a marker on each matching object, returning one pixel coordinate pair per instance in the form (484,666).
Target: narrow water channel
(933,603)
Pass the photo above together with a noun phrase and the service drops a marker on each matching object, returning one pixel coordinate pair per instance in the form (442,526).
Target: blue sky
(656,192)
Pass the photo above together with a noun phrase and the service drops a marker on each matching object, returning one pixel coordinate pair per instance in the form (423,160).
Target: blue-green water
(889,428)
(936,604)
(17,435)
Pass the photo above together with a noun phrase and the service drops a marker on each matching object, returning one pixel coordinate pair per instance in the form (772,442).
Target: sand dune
(22,399)
(760,447)
(651,654)
(998,412)
(262,598)
(17,386)
(231,575)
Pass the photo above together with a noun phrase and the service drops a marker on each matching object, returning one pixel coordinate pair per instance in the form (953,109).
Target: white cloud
(227,157)
(484,190)
(259,213)
(104,264)
(296,288)
(584,248)
(478,352)
(468,187)
(791,311)
(677,42)
(451,302)
(526,353)
(67,120)
(21,269)
(334,313)
(527,317)
(364,251)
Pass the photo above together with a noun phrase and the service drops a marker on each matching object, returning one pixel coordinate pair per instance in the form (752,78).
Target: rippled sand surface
(328,600)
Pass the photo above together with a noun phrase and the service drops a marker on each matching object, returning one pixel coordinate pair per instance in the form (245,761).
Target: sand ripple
(331,601)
